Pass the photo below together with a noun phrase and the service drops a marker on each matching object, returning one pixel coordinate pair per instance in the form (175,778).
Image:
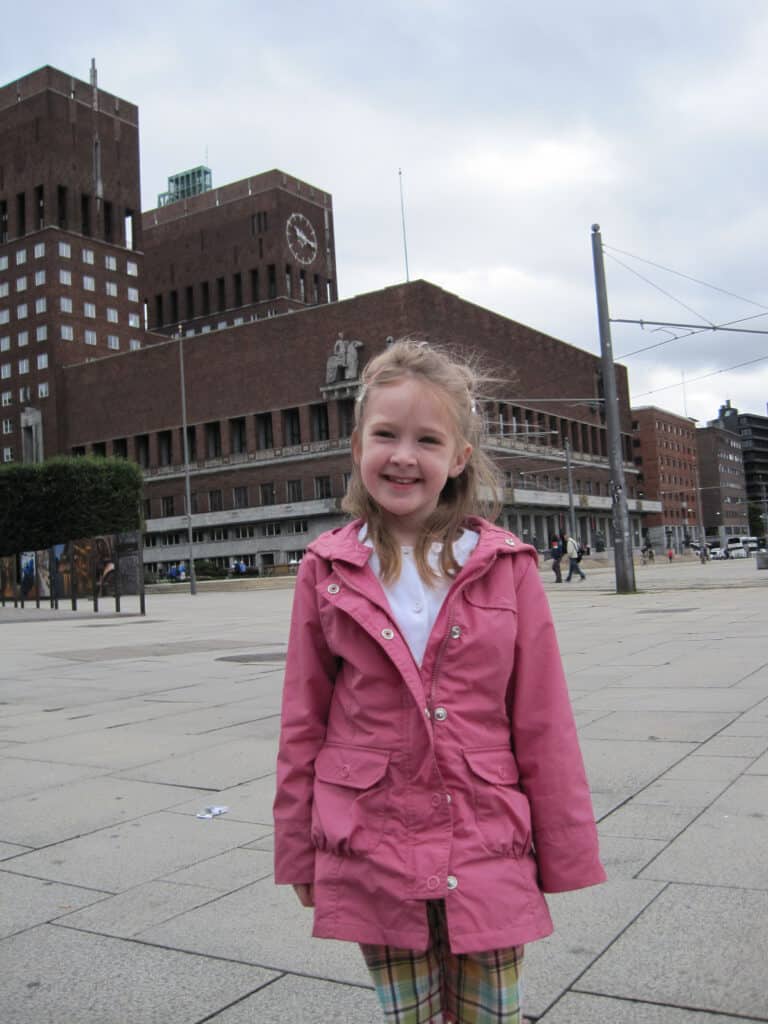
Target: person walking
(574,557)
(430,786)
(556,550)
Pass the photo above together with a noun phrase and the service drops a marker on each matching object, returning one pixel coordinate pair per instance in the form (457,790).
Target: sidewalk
(118,905)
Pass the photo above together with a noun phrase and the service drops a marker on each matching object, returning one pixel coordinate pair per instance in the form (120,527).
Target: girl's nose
(403,454)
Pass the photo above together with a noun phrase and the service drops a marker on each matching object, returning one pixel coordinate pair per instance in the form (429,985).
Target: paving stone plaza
(119,905)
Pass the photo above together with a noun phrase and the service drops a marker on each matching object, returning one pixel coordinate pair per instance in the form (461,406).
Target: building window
(5,343)
(267,494)
(134,344)
(67,333)
(41,305)
(133,294)
(5,316)
(264,438)
(42,389)
(65,277)
(319,422)
(291,427)
(7,398)
(111,288)
(7,426)
(215,501)
(7,454)
(22,339)
(65,250)
(294,489)
(212,440)
(40,251)
(25,393)
(65,304)
(167,506)
(89,309)
(237,435)
(113,342)
(23,366)
(21,284)
(5,371)
(346,417)
(240,497)
(110,262)
(133,318)
(132,269)
(142,450)
(164,448)
(90,337)
(89,283)
(42,361)
(21,311)
(21,257)
(3,289)
(87,255)
(322,487)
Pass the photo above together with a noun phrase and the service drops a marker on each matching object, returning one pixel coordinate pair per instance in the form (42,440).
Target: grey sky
(515,129)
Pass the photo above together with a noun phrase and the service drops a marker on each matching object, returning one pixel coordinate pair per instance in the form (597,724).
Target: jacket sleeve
(307,691)
(546,746)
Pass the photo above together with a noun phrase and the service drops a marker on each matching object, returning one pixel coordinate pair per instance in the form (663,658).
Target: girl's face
(406,449)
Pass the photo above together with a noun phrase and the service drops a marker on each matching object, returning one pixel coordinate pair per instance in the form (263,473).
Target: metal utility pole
(569,471)
(187,487)
(622,537)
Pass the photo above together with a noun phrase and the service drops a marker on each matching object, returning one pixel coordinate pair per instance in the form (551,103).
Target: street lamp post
(187,484)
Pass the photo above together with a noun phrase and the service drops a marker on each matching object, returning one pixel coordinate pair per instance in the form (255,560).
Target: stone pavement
(118,905)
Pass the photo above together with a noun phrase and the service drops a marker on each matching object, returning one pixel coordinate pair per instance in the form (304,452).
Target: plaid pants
(438,985)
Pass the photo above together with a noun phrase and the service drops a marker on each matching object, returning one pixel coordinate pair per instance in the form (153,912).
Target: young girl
(430,785)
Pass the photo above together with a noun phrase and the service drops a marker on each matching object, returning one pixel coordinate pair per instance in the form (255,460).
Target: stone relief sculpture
(343,363)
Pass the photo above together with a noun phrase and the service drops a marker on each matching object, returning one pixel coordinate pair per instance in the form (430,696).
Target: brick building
(723,486)
(665,454)
(240,281)
(269,448)
(753,434)
(70,245)
(249,250)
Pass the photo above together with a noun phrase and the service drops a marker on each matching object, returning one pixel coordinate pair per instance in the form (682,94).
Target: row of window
(65,278)
(242,497)
(23,366)
(25,394)
(202,300)
(217,534)
(65,252)
(66,306)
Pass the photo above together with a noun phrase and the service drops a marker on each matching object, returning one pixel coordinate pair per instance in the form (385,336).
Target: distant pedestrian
(574,552)
(670,554)
(556,550)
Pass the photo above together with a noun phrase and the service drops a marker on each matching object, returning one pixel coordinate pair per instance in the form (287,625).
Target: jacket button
(455,632)
(333,588)
(510,541)
(388,634)
(452,882)
(436,801)
(440,714)
(432,882)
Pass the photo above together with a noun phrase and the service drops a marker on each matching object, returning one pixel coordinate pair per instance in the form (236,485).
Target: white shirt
(414,604)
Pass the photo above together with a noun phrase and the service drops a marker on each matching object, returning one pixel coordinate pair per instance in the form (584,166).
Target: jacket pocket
(502,811)
(351,799)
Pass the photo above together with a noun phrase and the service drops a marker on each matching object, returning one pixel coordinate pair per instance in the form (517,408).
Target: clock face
(302,240)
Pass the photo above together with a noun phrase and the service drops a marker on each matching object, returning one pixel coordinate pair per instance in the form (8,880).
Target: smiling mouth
(401,479)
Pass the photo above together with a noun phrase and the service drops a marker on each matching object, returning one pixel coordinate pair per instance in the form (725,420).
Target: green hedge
(67,498)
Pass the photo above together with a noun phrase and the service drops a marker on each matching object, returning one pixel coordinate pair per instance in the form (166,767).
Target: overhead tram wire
(679,273)
(695,330)
(663,291)
(703,376)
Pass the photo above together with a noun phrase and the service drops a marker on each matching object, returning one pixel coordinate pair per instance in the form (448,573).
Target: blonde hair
(475,491)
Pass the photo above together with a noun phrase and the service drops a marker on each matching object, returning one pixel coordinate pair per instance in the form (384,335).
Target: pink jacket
(461,780)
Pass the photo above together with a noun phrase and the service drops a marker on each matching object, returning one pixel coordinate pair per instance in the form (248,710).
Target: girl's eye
(383,433)
(430,440)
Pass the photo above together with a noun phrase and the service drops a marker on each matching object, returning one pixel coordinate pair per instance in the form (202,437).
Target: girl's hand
(306,894)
